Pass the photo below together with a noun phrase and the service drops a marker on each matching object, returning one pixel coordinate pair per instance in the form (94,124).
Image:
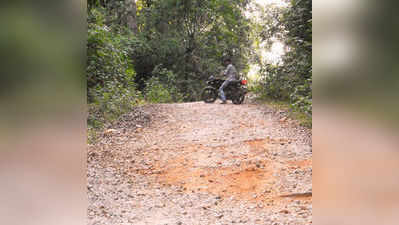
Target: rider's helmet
(227,60)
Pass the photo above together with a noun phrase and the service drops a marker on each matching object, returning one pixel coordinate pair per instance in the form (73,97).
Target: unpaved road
(200,163)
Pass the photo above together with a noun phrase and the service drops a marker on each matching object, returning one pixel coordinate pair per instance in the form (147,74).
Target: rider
(231,75)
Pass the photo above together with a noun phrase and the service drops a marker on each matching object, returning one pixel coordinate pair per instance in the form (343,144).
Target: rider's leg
(221,92)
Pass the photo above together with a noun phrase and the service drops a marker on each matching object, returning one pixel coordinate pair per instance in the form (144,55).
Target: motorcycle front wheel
(209,95)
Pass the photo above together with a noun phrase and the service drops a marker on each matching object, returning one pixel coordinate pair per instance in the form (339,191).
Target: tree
(131,15)
(190,38)
(292,80)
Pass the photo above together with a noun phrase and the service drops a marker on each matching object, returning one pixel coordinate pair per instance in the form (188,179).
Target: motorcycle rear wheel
(209,95)
(239,99)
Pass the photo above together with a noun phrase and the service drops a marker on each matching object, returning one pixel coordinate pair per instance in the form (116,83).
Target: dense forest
(163,51)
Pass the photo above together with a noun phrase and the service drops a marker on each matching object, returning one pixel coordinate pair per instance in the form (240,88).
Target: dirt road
(200,163)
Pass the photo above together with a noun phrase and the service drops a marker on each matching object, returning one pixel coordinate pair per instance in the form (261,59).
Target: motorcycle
(235,91)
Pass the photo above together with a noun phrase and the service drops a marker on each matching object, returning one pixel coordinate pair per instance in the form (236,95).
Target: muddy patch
(246,182)
(202,168)
(257,145)
(301,163)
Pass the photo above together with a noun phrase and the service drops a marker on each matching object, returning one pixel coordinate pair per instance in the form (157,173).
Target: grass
(303,118)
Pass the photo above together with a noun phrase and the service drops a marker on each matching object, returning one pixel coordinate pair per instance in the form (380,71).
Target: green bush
(111,101)
(107,52)
(301,97)
(156,92)
(162,87)
(111,90)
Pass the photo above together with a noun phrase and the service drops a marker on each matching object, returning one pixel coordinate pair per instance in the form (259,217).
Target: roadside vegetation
(163,51)
(288,79)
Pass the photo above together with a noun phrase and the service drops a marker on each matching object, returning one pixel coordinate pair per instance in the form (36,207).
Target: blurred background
(355,117)
(43,112)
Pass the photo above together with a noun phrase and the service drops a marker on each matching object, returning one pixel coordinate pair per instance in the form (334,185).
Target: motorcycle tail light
(244,82)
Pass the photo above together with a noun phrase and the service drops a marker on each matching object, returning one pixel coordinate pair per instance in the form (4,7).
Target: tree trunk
(131,15)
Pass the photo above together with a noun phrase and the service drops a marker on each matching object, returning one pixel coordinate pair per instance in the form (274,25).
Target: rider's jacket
(231,73)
